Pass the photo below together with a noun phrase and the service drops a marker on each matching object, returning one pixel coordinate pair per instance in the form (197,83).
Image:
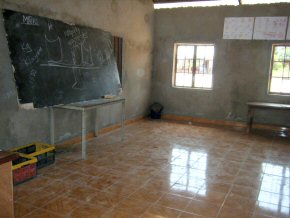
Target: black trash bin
(156,110)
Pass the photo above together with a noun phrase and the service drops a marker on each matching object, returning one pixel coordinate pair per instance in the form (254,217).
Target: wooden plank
(6,156)
(6,190)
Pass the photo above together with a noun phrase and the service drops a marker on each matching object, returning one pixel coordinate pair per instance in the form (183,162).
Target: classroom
(145,108)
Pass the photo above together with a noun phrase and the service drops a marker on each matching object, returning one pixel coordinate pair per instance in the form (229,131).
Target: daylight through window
(280,70)
(193,65)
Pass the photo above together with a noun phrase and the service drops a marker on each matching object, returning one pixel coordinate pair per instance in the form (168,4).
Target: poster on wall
(270,28)
(238,28)
(288,32)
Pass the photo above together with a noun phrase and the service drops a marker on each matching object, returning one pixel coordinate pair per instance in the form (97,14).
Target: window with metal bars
(279,82)
(193,65)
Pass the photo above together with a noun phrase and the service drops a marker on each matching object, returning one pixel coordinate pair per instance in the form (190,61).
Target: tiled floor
(164,169)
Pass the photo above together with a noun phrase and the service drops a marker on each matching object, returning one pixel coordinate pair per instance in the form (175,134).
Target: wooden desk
(84,107)
(262,105)
(6,184)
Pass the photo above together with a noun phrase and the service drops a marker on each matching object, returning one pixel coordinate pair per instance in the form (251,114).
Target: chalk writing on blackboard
(26,47)
(59,63)
(29,60)
(30,20)
(54,50)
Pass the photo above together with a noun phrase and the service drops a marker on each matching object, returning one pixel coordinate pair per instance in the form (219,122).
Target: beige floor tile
(272,210)
(133,206)
(40,213)
(234,213)
(146,195)
(174,201)
(212,197)
(169,163)
(105,199)
(62,205)
(240,203)
(119,214)
(189,215)
(202,208)
(21,209)
(245,191)
(160,211)
(39,198)
(89,211)
(84,193)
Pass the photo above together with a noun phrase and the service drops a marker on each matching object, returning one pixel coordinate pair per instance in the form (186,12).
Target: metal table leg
(250,119)
(123,121)
(96,123)
(84,134)
(51,125)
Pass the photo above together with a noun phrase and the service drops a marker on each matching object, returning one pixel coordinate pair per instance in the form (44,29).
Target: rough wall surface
(241,67)
(130,19)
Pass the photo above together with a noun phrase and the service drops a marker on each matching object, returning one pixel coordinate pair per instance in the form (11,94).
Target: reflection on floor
(165,169)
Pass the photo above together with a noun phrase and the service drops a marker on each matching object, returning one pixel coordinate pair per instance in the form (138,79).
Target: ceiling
(173,1)
(240,2)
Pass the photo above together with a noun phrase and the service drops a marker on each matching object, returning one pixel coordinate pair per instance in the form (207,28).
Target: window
(280,70)
(193,65)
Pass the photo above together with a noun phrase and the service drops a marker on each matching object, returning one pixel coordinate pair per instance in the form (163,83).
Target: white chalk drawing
(29,60)
(70,66)
(26,47)
(50,25)
(87,58)
(81,54)
(107,52)
(30,20)
(32,75)
(54,50)
(72,32)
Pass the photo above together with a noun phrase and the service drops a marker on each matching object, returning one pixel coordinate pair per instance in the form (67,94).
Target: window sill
(192,88)
(279,94)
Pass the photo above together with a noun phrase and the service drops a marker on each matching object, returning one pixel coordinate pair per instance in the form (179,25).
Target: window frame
(270,71)
(175,65)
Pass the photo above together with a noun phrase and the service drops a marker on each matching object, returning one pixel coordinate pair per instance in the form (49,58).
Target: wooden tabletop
(269,105)
(6,156)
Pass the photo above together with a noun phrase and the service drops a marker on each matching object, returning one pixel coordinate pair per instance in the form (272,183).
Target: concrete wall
(241,67)
(130,19)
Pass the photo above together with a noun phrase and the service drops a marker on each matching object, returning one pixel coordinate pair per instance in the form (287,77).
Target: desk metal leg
(250,119)
(97,124)
(123,121)
(51,125)
(84,134)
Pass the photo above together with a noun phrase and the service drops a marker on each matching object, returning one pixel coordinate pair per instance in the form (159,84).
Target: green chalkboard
(57,63)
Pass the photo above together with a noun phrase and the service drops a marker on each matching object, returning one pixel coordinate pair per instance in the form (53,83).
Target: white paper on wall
(270,28)
(238,28)
(288,30)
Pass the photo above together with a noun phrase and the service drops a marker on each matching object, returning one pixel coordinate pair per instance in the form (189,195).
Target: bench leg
(250,119)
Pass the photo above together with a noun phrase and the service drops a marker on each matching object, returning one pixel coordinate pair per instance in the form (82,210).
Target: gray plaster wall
(241,67)
(130,19)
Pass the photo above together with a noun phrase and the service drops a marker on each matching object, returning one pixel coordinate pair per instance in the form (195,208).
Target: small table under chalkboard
(84,107)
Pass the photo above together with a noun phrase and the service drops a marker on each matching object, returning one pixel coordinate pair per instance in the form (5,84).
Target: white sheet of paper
(238,28)
(270,28)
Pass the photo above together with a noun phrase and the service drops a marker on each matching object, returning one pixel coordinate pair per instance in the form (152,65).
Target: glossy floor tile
(164,169)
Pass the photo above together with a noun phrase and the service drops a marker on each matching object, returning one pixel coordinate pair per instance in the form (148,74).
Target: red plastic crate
(24,168)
